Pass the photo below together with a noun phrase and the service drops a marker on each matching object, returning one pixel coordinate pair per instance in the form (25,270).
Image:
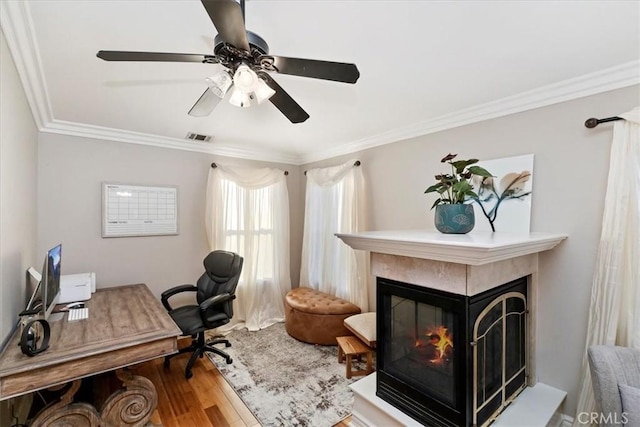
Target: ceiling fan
(246,61)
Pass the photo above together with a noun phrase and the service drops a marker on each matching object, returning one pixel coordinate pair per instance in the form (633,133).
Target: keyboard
(78,314)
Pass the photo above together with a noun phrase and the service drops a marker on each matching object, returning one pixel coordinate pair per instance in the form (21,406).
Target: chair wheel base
(188,374)
(227,344)
(229,361)
(167,363)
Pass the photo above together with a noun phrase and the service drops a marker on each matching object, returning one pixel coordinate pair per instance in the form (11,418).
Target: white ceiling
(424,65)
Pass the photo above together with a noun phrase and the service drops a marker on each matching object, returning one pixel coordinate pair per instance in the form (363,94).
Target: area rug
(285,382)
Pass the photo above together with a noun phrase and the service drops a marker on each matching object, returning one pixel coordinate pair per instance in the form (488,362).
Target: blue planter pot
(455,219)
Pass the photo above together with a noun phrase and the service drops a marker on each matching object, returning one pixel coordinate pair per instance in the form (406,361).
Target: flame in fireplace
(441,340)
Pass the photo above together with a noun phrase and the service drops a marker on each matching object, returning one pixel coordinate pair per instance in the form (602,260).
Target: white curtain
(614,315)
(247,212)
(335,204)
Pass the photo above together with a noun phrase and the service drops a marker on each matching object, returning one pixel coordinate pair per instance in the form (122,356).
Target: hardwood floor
(205,400)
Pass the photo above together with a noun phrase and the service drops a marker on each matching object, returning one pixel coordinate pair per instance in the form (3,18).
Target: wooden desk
(126,325)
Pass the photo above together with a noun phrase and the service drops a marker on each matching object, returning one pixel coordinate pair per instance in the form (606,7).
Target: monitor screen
(52,277)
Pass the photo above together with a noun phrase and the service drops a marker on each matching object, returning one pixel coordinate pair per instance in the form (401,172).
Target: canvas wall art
(505,199)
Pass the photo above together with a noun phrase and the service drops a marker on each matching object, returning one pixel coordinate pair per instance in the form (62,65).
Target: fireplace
(472,274)
(447,359)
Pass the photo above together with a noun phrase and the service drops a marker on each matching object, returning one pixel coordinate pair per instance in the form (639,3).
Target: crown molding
(17,25)
(620,76)
(118,135)
(617,77)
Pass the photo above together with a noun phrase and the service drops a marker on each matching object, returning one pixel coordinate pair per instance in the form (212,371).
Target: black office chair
(215,294)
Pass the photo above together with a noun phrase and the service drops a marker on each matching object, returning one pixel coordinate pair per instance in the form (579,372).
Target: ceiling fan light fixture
(263,91)
(240,98)
(245,79)
(219,83)
(248,88)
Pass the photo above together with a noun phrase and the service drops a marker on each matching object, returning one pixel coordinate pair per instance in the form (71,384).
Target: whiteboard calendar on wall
(136,210)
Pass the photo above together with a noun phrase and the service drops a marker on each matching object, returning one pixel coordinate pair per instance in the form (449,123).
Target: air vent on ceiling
(198,137)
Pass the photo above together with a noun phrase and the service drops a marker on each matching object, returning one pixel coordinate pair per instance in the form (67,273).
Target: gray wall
(70,173)
(570,175)
(18,201)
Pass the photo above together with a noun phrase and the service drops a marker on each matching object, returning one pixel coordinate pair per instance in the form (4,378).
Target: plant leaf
(436,203)
(460,165)
(460,190)
(480,171)
(462,187)
(433,188)
(448,157)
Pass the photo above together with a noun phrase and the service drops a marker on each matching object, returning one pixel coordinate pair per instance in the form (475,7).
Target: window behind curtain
(249,219)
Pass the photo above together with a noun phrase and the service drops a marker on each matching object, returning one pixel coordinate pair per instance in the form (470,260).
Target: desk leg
(65,413)
(132,405)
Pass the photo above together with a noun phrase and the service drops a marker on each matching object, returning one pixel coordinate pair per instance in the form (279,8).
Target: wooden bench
(351,346)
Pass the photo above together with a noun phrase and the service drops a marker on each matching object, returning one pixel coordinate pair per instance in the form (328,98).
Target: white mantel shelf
(475,248)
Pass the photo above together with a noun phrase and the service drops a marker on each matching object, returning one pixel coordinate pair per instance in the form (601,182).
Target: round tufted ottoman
(315,317)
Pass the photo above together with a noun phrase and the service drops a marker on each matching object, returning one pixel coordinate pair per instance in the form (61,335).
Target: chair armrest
(215,300)
(164,297)
(610,366)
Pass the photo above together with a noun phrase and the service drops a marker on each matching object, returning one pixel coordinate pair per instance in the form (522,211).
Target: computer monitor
(51,279)
(47,292)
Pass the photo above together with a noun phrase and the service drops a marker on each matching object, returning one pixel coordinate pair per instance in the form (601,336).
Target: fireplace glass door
(422,347)
(422,357)
(499,354)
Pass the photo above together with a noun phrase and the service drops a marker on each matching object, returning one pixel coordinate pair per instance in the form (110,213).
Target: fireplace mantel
(475,248)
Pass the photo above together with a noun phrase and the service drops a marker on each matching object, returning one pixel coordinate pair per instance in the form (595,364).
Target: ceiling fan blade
(228,19)
(284,102)
(326,70)
(117,55)
(205,104)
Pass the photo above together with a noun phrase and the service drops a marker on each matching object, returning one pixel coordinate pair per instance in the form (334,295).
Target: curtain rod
(356,163)
(593,122)
(213,165)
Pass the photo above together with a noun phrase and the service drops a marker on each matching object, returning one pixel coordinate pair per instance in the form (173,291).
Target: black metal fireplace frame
(402,394)
(429,411)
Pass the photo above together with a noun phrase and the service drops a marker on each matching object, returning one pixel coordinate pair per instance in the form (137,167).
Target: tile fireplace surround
(464,265)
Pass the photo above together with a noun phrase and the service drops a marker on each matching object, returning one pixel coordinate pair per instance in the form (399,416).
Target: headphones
(33,341)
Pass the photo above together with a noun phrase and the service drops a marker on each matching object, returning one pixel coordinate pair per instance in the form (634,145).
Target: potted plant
(453,214)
